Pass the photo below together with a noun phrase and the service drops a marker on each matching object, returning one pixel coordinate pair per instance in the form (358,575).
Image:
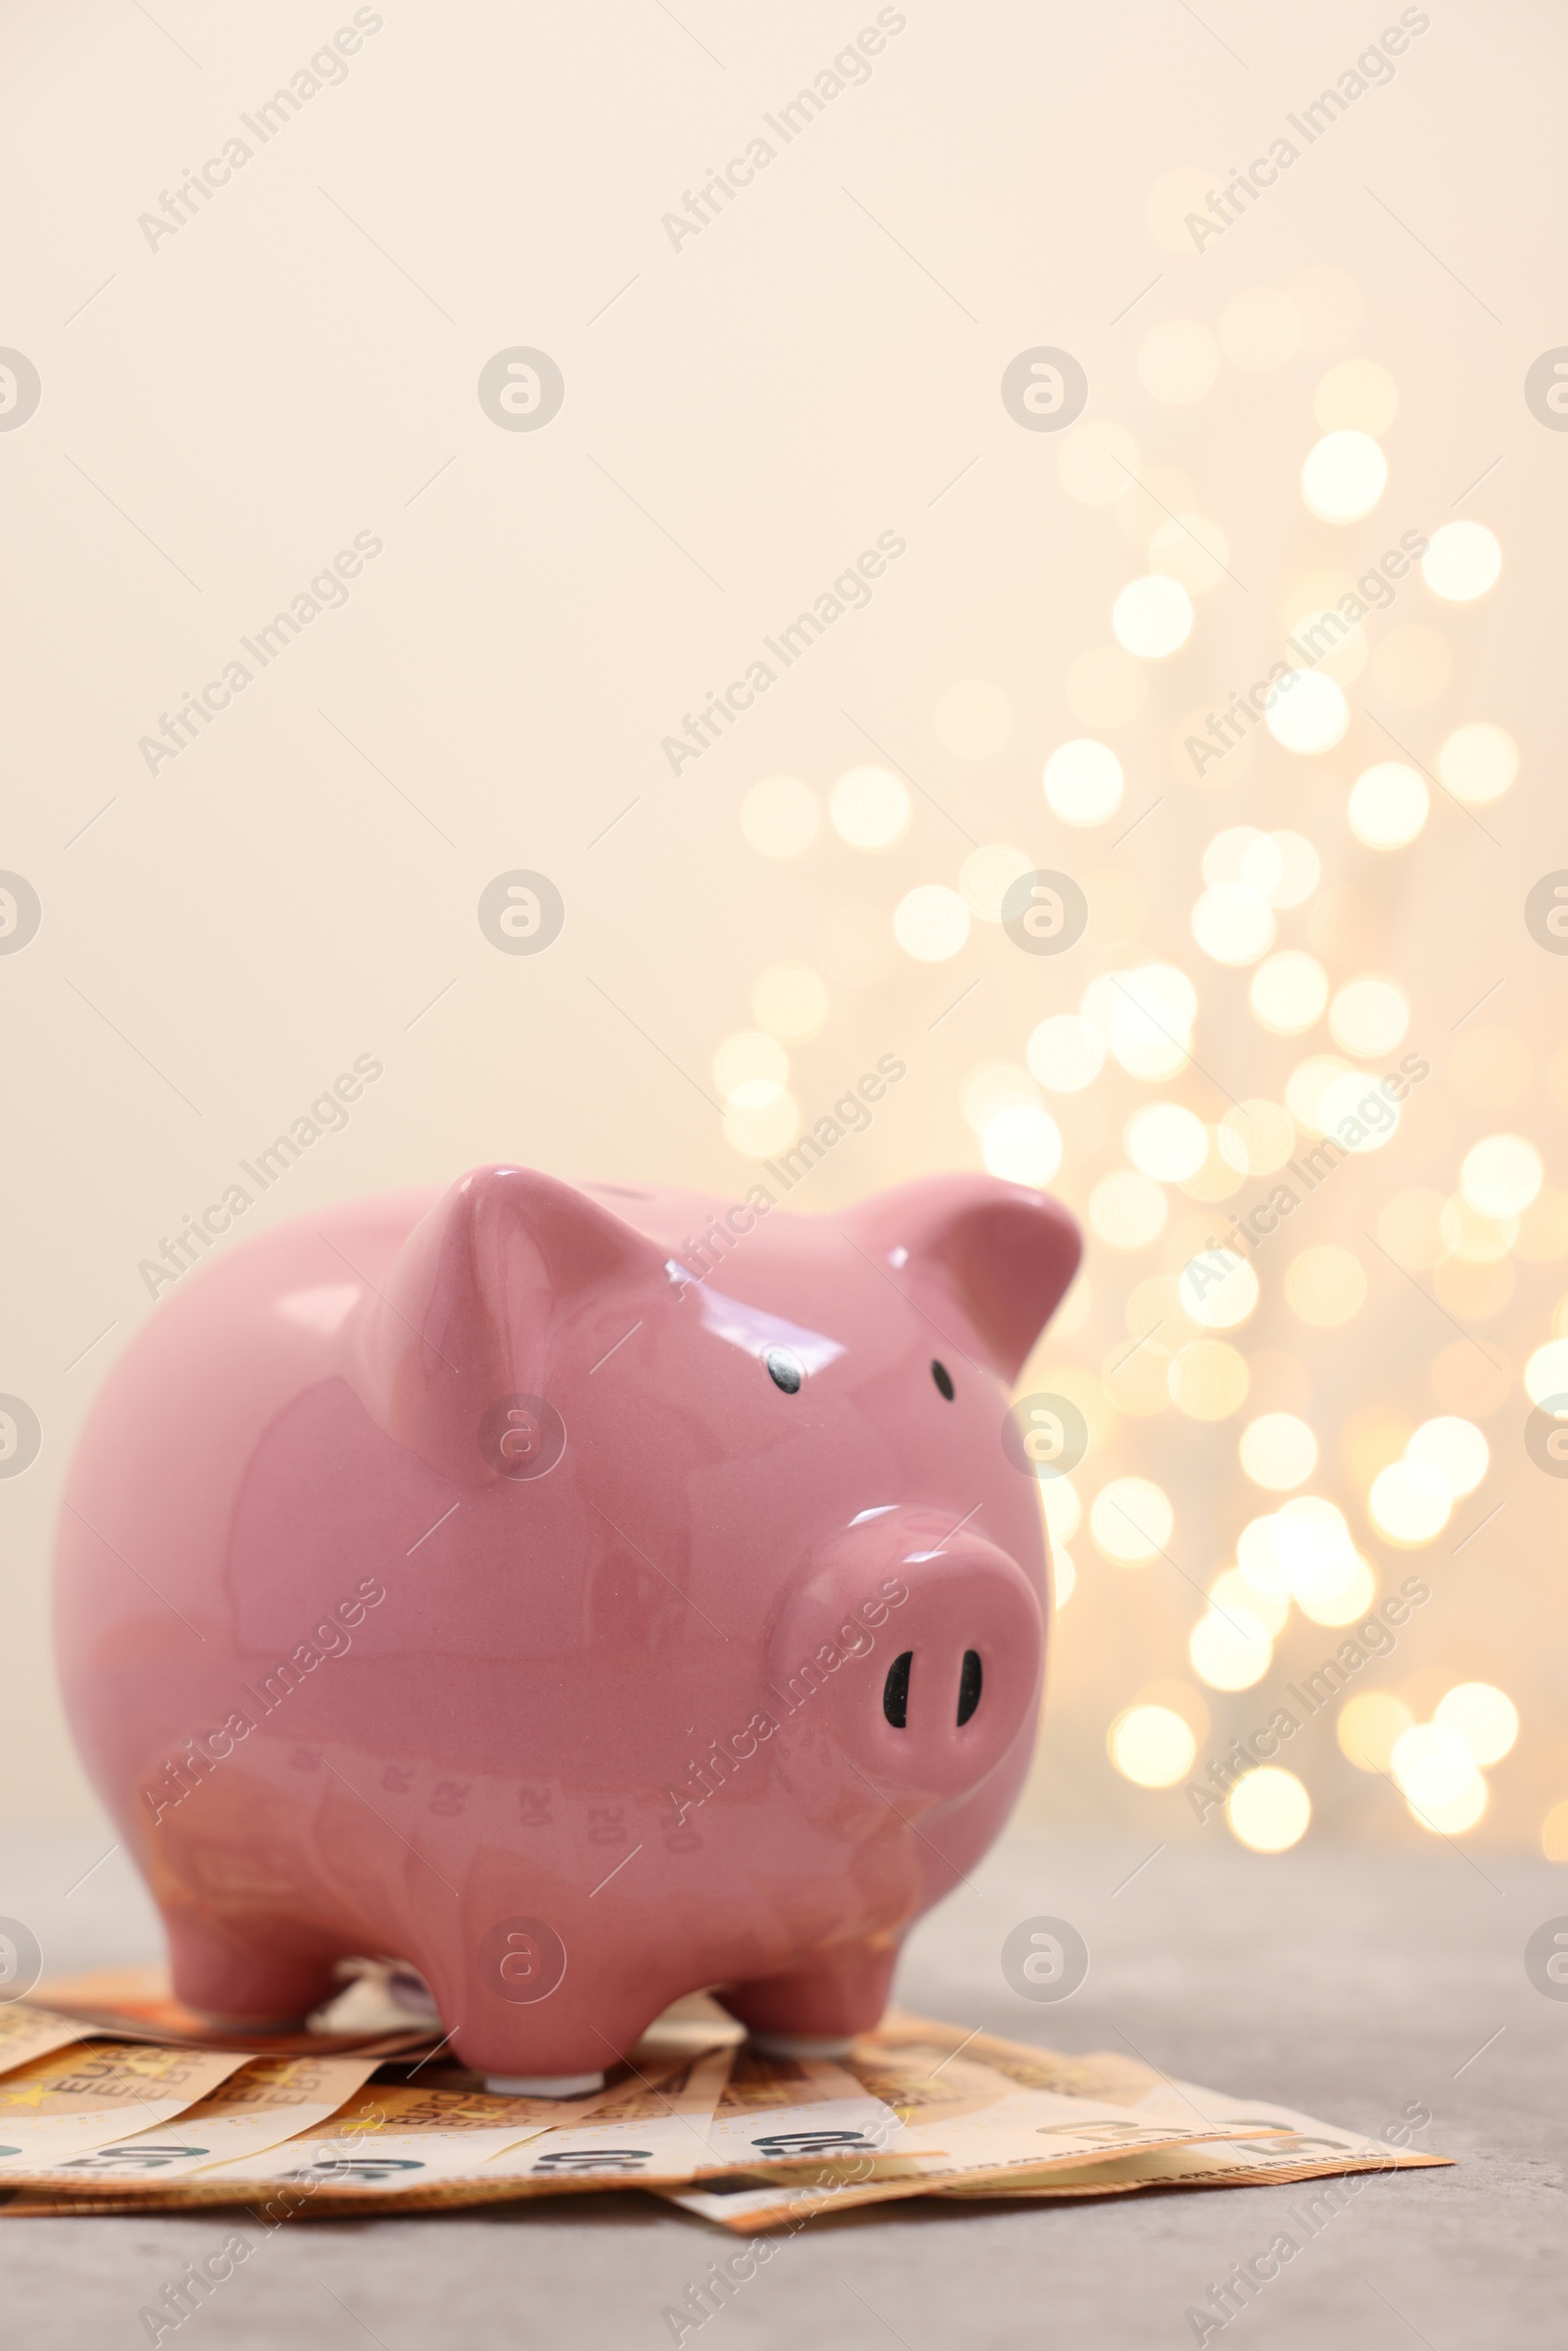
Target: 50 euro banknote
(274,2137)
(81,2095)
(1258,2140)
(269,2099)
(946,2117)
(747,2140)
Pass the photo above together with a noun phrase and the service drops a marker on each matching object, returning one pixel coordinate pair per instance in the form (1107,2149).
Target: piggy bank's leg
(263,1980)
(816,2009)
(520,2017)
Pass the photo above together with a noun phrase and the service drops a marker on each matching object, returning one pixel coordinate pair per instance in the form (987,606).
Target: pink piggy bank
(583,1613)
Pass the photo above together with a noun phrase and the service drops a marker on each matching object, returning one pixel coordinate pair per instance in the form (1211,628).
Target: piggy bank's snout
(939,1656)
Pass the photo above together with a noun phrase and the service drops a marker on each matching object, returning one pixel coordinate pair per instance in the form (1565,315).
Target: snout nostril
(896,1689)
(969,1684)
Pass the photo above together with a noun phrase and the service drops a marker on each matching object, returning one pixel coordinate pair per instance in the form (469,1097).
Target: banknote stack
(113,2099)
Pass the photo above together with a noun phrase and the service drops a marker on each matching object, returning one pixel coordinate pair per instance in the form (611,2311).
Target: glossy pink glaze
(590,1612)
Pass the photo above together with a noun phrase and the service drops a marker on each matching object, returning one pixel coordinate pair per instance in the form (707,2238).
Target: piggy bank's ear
(998,1255)
(464,1320)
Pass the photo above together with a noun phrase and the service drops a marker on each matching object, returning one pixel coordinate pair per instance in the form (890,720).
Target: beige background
(299,362)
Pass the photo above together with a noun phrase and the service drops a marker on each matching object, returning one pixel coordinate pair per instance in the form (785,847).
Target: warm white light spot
(751,1069)
(1452,1819)
(1022,1143)
(1478,762)
(1388,806)
(1235,1594)
(1308,714)
(1153,616)
(1067,1053)
(1233,923)
(1310,1538)
(780,816)
(1225,1168)
(931,923)
(1226,859)
(1345,475)
(1096,464)
(1301,869)
(987,874)
(1485,1717)
(1166,1142)
(1547,1372)
(1463,562)
(1467,1233)
(1229,1651)
(1437,1773)
(1268,1810)
(1289,992)
(1152,1746)
(1146,1017)
(1063,1508)
(1355,1113)
(1260,1559)
(993,1087)
(1307,1086)
(1309,1543)
(1127,1210)
(1325,1286)
(758,1133)
(1282,867)
(1178,362)
(1278,1451)
(1357,394)
(1456,1450)
(869,808)
(1131,1521)
(1218,1290)
(1341,1594)
(789,999)
(1410,1502)
(762,1132)
(1502,1176)
(1083,781)
(1369,1016)
(1369,1728)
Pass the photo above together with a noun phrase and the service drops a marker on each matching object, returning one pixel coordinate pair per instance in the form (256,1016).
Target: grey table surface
(1344,1982)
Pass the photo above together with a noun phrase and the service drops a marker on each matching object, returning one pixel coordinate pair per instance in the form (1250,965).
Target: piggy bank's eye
(943,1379)
(784,1370)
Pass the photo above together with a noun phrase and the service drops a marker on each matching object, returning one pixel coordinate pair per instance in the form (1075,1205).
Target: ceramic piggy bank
(585,1596)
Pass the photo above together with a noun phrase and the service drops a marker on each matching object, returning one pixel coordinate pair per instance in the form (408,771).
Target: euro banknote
(696,2116)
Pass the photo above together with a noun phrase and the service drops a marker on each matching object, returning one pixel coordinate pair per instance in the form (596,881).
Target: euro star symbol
(33,2095)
